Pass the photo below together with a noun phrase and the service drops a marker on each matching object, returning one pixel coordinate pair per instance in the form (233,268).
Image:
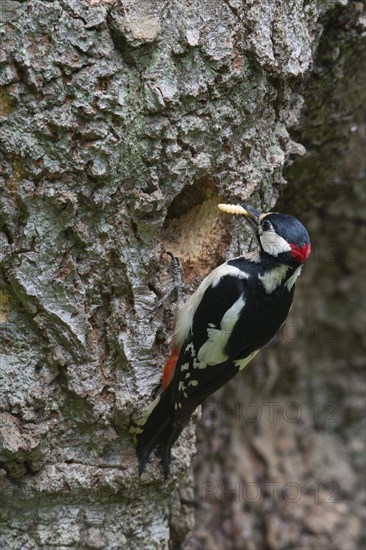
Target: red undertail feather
(170,367)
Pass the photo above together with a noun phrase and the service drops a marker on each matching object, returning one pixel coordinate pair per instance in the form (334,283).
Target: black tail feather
(157,430)
(165,460)
(150,438)
(166,446)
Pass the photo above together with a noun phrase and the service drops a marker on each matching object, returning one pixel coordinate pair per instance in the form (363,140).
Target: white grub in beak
(250,213)
(235,209)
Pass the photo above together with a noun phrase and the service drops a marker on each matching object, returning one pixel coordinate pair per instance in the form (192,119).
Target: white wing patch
(273,278)
(182,389)
(184,367)
(212,351)
(186,314)
(241,363)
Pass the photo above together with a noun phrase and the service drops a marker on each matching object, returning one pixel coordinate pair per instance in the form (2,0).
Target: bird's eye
(266,226)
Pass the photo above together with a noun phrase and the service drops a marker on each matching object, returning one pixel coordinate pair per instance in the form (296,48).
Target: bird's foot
(176,288)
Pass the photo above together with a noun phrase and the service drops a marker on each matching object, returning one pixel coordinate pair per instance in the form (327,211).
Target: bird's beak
(251,214)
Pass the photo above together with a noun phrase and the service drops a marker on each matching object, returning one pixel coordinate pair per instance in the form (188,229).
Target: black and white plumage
(235,311)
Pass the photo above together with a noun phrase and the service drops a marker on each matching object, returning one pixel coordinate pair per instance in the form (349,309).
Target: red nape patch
(300,253)
(170,367)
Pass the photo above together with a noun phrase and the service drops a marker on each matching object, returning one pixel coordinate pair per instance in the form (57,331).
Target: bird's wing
(204,363)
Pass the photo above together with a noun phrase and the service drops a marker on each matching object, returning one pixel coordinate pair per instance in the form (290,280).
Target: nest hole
(195,231)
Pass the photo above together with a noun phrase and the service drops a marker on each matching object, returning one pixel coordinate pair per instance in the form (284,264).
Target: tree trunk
(123,124)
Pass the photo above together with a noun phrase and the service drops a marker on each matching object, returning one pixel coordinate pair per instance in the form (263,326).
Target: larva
(233,209)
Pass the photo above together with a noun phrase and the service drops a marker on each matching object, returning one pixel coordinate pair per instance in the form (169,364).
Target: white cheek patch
(212,351)
(273,244)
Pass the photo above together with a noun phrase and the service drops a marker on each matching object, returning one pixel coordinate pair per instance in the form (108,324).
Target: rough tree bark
(122,124)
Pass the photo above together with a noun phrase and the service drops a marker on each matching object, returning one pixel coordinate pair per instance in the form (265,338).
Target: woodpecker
(235,311)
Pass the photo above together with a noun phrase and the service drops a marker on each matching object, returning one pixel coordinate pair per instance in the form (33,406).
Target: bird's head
(278,235)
